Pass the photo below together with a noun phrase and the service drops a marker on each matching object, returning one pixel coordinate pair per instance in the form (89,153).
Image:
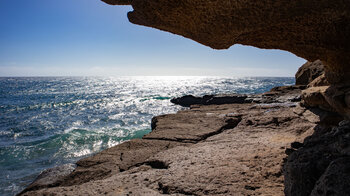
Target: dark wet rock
(280,94)
(188,100)
(289,151)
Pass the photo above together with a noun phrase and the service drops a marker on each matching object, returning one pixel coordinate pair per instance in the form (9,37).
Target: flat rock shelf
(226,149)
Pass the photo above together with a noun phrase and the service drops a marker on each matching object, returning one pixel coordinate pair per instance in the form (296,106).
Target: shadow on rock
(320,166)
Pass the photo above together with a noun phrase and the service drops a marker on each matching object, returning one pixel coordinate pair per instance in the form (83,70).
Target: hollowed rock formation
(238,149)
(308,28)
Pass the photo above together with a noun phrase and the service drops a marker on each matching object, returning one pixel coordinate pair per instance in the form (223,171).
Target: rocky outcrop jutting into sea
(267,144)
(225,149)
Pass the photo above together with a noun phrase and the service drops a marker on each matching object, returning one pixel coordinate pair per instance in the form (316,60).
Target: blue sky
(91,38)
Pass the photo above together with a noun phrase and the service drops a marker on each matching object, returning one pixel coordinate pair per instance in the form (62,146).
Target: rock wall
(320,166)
(309,72)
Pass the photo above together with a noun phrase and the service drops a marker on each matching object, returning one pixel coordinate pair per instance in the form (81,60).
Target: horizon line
(61,76)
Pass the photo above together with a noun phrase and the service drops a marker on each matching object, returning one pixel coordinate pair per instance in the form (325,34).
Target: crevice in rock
(121,156)
(249,187)
(163,189)
(157,164)
(231,123)
(154,164)
(189,141)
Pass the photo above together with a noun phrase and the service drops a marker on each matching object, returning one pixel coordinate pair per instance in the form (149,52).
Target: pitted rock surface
(244,158)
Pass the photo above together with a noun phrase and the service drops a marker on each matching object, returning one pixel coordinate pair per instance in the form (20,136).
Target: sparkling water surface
(49,121)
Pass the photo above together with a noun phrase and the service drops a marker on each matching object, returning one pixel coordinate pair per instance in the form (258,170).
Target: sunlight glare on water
(45,122)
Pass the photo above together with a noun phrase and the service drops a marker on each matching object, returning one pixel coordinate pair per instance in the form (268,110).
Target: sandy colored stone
(319,81)
(106,163)
(314,97)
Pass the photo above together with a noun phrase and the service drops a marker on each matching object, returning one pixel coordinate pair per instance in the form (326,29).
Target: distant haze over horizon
(91,38)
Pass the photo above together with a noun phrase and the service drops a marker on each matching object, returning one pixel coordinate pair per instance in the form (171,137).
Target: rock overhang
(308,28)
(311,29)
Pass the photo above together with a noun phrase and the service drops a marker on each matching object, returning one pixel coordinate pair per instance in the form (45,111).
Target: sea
(49,121)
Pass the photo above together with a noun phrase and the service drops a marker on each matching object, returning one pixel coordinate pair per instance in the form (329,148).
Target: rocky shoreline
(266,144)
(269,144)
(207,149)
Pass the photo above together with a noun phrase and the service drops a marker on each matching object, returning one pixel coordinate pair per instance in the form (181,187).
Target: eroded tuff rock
(320,94)
(308,28)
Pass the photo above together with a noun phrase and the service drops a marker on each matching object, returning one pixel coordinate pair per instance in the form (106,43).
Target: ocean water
(49,121)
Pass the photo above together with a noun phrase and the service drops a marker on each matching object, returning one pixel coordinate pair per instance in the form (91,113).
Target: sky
(91,38)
